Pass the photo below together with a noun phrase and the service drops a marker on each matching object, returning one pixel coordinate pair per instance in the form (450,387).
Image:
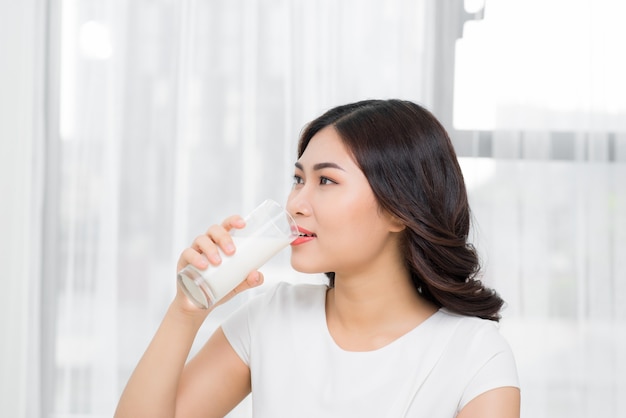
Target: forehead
(326,145)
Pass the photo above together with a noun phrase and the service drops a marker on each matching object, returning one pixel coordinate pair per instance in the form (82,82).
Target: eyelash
(297,180)
(324,181)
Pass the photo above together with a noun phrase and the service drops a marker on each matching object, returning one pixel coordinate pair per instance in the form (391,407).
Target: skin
(372,304)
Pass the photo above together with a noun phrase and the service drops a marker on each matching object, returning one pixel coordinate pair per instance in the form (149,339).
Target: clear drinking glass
(269,228)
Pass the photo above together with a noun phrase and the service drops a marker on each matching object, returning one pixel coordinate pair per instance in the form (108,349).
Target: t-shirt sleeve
(495,367)
(240,325)
(237,331)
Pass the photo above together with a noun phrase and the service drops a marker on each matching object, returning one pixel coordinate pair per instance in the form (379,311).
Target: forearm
(152,388)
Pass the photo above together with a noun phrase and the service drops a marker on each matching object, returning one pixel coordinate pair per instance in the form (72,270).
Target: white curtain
(164,116)
(21,126)
(172,115)
(539,95)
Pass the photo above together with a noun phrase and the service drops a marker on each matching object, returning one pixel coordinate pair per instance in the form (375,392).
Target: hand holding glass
(269,228)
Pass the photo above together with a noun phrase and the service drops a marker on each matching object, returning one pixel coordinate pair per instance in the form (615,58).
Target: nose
(298,204)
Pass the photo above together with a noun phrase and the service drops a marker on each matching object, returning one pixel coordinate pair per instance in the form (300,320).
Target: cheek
(354,224)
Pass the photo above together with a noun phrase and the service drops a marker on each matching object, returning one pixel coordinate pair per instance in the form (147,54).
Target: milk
(251,253)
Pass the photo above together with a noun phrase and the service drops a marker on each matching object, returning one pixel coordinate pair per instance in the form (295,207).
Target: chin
(306,267)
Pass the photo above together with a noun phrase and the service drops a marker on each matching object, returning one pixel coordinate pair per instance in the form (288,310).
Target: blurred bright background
(128,127)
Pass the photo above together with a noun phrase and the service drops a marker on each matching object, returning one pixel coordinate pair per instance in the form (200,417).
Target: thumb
(254,279)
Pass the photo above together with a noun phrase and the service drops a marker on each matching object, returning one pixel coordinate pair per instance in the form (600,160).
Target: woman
(402,329)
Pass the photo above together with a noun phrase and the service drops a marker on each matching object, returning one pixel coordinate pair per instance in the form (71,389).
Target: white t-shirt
(299,371)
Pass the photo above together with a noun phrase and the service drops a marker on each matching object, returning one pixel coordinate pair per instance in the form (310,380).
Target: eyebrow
(320,166)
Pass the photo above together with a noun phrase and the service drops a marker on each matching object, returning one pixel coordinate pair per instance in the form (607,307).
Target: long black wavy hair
(412,168)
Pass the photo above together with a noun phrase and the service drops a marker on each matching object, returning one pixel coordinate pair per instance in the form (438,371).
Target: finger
(254,279)
(234,221)
(205,245)
(193,257)
(226,241)
(220,237)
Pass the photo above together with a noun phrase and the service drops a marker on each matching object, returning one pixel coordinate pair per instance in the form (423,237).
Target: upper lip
(304,231)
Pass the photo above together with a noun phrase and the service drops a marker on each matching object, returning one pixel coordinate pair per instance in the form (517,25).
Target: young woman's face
(335,208)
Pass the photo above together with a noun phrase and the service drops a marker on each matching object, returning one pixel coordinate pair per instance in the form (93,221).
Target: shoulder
(295,296)
(281,309)
(475,334)
(477,344)
(281,301)
(480,353)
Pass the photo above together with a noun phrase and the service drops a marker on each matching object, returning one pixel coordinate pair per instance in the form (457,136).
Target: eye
(326,180)
(297,180)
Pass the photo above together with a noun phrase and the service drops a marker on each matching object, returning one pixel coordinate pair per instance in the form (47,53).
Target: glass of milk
(269,228)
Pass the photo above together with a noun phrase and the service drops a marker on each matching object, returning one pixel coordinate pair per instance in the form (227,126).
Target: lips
(305,236)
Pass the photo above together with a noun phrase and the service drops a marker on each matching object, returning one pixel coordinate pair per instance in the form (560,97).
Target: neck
(369,311)
(371,299)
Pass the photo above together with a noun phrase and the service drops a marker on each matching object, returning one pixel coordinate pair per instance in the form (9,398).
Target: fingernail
(203,262)
(229,248)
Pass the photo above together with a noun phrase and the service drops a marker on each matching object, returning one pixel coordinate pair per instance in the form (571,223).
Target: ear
(395,224)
